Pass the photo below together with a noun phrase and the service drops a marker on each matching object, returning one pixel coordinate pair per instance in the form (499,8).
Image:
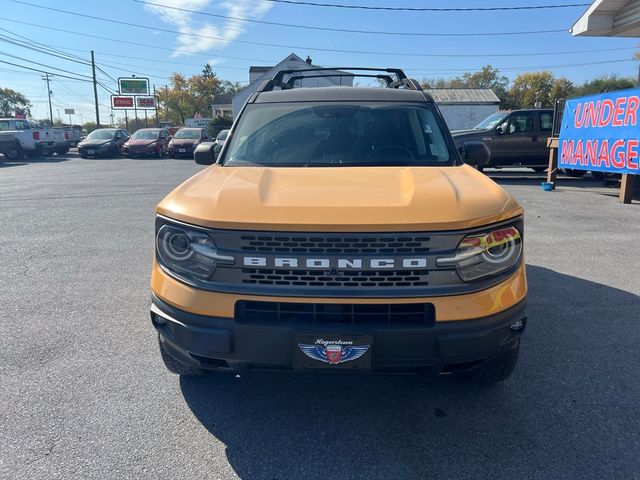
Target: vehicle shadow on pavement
(27,161)
(570,404)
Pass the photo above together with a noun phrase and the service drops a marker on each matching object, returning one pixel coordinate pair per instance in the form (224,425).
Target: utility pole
(46,77)
(155,99)
(95,89)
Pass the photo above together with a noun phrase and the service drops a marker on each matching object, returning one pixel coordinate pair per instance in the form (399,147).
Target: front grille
(351,244)
(285,313)
(350,278)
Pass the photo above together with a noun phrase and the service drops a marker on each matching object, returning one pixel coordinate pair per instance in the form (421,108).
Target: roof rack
(278,79)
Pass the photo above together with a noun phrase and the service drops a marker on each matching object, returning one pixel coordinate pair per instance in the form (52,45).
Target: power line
(430,9)
(43,71)
(443,55)
(41,64)
(344,30)
(522,68)
(88,35)
(263,44)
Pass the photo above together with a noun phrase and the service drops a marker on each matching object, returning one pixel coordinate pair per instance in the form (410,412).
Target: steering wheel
(391,148)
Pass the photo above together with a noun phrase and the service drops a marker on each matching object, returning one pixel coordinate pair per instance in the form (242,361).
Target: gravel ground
(84,394)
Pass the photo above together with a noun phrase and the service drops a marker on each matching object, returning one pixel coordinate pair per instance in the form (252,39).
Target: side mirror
(203,154)
(499,130)
(476,154)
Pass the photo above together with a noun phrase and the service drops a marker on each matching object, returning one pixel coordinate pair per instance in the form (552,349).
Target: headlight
(171,143)
(485,254)
(152,144)
(187,252)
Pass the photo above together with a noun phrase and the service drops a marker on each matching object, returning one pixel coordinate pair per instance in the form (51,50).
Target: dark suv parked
(515,138)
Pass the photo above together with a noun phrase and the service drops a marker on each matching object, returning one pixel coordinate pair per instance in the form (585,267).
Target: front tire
(497,369)
(61,150)
(176,366)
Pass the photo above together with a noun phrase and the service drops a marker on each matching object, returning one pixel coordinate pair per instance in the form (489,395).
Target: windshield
(102,134)
(222,136)
(146,134)
(491,121)
(317,135)
(187,133)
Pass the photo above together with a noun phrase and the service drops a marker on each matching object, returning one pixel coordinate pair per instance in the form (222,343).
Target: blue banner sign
(600,133)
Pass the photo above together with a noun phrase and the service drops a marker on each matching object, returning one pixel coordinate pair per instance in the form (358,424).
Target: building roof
(259,69)
(609,18)
(224,99)
(473,96)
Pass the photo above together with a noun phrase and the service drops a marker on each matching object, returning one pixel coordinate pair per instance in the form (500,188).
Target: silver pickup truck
(19,138)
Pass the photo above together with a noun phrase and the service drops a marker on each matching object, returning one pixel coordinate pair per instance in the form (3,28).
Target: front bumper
(185,151)
(445,347)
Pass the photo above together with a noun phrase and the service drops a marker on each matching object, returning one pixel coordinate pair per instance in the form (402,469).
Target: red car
(185,141)
(147,142)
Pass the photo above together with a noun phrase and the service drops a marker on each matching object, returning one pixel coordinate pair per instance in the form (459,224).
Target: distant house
(221,105)
(464,108)
(258,74)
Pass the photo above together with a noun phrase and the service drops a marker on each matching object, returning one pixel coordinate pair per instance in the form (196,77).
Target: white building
(257,75)
(464,108)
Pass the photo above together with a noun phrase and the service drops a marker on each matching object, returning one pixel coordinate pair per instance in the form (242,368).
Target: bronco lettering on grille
(335,263)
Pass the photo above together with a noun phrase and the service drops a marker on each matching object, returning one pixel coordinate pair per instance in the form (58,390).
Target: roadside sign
(119,102)
(133,86)
(146,103)
(69,111)
(197,122)
(600,133)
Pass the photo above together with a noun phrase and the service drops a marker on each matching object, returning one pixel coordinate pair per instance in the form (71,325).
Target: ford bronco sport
(340,230)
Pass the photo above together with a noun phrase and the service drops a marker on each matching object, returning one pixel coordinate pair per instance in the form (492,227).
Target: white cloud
(199,33)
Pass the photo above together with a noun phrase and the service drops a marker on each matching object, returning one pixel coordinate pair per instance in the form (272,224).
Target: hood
(141,141)
(469,132)
(373,199)
(94,142)
(180,142)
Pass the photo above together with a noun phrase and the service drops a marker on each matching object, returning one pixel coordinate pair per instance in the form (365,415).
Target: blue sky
(231,46)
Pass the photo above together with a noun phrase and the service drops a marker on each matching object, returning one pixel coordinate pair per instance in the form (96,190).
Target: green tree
(187,96)
(605,84)
(10,101)
(533,89)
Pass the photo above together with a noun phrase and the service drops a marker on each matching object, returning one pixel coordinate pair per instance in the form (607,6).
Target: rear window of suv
(322,135)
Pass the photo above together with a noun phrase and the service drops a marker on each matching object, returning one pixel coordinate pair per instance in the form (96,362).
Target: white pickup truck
(19,138)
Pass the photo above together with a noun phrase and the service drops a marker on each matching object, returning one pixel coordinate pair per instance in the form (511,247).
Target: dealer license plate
(181,150)
(90,152)
(339,352)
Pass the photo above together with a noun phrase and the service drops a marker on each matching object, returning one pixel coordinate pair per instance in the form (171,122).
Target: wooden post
(627,188)
(552,171)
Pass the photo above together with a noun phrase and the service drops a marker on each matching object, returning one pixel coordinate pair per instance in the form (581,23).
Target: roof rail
(401,78)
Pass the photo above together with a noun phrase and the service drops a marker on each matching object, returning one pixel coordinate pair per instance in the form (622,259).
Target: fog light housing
(159,320)
(517,326)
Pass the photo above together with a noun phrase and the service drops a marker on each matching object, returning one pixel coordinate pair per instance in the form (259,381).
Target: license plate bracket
(332,351)
(182,150)
(91,152)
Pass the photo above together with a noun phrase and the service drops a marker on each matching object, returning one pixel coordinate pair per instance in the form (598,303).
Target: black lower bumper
(445,347)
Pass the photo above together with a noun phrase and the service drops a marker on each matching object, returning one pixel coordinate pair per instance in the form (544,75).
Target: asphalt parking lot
(84,394)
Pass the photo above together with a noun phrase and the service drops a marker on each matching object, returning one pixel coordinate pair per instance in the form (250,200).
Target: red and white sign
(146,103)
(121,102)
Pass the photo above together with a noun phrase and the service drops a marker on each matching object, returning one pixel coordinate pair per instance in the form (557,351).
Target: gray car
(515,138)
